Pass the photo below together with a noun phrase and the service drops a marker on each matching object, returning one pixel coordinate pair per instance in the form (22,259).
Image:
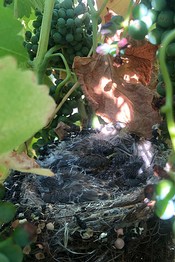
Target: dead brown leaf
(140,54)
(23,163)
(116,93)
(61,130)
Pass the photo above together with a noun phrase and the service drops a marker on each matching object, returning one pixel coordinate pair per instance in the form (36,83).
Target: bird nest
(93,210)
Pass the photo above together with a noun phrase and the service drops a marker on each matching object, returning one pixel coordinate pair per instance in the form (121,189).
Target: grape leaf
(11,42)
(116,92)
(24,8)
(25,106)
(37,4)
(4,172)
(22,163)
(11,250)
(7,212)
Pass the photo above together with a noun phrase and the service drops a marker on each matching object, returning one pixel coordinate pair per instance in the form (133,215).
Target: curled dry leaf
(116,93)
(15,223)
(22,163)
(62,130)
(140,54)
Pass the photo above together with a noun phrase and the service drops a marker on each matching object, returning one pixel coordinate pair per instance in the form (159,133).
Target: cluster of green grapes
(7,2)
(71,32)
(155,19)
(71,29)
(67,114)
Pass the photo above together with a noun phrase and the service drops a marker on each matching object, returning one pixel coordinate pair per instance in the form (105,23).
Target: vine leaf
(116,92)
(22,8)
(37,4)
(11,41)
(22,163)
(25,106)
(11,250)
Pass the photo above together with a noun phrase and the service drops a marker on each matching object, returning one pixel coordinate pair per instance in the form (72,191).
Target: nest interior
(95,200)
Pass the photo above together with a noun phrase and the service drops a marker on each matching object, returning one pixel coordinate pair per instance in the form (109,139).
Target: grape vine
(73,32)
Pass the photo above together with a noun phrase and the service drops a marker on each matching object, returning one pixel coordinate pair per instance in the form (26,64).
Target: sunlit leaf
(4,172)
(117,92)
(11,42)
(25,106)
(24,8)
(37,4)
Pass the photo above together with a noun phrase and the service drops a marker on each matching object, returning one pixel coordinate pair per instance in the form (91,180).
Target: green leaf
(37,4)
(22,8)
(3,258)
(7,212)
(21,236)
(4,172)
(25,106)
(11,42)
(11,250)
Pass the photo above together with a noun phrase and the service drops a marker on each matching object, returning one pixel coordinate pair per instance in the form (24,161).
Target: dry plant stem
(66,97)
(168,107)
(63,101)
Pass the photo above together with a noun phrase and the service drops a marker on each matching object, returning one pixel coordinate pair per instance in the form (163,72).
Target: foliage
(11,242)
(11,43)
(54,36)
(148,19)
(26,106)
(21,115)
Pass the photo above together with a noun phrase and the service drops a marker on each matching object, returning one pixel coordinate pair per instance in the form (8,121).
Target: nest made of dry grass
(89,231)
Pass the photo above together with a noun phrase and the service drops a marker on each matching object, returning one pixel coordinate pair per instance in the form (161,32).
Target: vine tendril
(168,107)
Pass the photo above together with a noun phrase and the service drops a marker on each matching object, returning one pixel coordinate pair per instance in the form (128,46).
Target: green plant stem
(83,113)
(127,19)
(46,59)
(168,107)
(66,79)
(172,175)
(94,16)
(102,7)
(44,39)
